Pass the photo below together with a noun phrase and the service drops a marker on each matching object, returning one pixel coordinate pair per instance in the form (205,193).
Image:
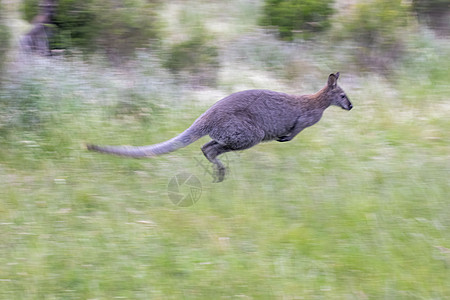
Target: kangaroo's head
(337,95)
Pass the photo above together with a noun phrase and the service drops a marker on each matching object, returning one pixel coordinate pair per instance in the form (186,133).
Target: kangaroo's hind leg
(234,135)
(234,141)
(211,150)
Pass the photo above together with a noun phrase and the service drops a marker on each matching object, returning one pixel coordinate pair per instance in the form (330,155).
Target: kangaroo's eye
(342,96)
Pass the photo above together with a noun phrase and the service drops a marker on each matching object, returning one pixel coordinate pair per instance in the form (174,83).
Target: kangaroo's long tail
(189,136)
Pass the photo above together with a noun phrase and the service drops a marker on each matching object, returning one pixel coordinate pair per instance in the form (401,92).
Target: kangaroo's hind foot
(211,150)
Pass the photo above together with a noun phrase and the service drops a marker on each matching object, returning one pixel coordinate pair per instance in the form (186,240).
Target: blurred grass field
(355,207)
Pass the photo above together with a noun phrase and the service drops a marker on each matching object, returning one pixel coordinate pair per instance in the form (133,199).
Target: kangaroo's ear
(332,80)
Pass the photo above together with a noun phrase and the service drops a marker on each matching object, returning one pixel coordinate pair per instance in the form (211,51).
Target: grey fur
(244,119)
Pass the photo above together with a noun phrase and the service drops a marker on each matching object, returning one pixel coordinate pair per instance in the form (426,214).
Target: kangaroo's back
(272,112)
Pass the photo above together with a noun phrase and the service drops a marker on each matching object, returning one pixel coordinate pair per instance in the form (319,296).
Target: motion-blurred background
(355,207)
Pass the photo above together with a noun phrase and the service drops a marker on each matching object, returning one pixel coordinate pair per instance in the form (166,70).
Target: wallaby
(244,119)
(37,38)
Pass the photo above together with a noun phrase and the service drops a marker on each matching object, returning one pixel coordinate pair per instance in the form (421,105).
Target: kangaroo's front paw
(285,138)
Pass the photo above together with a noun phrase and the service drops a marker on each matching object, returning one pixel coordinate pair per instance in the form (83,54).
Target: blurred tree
(4,40)
(123,26)
(197,56)
(374,26)
(304,16)
(74,21)
(116,27)
(29,9)
(435,13)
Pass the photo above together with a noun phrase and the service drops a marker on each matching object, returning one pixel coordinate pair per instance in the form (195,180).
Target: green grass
(355,207)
